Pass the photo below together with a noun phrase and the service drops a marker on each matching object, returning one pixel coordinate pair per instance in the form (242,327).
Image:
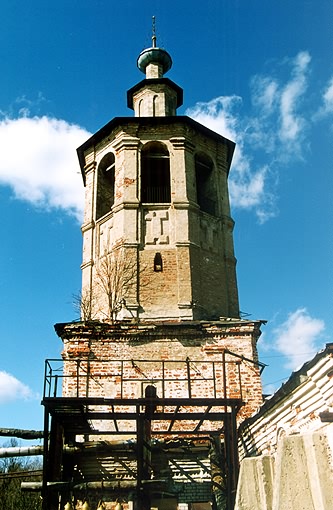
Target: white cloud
(327,101)
(246,185)
(328,97)
(298,337)
(292,122)
(218,114)
(12,389)
(264,93)
(39,162)
(273,133)
(278,123)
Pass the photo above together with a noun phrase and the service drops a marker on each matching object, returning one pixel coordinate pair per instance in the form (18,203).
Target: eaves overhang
(154,81)
(152,121)
(172,329)
(295,380)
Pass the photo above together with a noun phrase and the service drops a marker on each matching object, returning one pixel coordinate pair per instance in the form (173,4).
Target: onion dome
(157,56)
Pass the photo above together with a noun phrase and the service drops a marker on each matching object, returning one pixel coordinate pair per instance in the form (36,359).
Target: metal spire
(153,32)
(154,55)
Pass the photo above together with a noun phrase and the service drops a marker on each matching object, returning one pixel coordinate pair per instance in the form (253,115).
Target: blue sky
(259,72)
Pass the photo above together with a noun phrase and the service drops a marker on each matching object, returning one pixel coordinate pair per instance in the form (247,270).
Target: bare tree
(83,304)
(12,472)
(116,275)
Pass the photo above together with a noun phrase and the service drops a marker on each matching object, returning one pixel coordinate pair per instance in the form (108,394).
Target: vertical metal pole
(45,378)
(232,461)
(188,378)
(224,372)
(217,468)
(55,460)
(139,457)
(143,449)
(77,377)
(163,379)
(55,386)
(235,457)
(45,459)
(240,382)
(228,456)
(87,377)
(121,379)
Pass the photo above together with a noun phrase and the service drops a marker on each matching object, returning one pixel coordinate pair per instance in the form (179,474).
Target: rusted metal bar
(114,419)
(231,454)
(52,379)
(224,378)
(122,379)
(143,459)
(206,415)
(81,402)
(218,473)
(45,376)
(235,457)
(172,419)
(240,381)
(77,377)
(55,386)
(22,433)
(54,461)
(116,485)
(188,369)
(163,378)
(243,358)
(228,459)
(173,416)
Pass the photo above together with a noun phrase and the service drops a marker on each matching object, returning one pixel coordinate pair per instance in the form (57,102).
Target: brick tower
(157,232)
(161,368)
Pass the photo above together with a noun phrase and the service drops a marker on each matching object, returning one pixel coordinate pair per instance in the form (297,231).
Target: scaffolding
(137,431)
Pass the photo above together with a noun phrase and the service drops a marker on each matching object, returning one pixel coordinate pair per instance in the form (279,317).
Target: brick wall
(159,290)
(199,277)
(122,359)
(199,492)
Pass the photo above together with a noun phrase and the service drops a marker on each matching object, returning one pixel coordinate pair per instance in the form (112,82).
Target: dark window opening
(206,191)
(105,185)
(158,264)
(155,174)
(155,99)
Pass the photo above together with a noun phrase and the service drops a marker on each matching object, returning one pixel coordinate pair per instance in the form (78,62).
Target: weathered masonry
(286,447)
(157,212)
(142,411)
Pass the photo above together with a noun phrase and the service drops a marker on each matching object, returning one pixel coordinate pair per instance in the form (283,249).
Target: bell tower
(157,231)
(160,370)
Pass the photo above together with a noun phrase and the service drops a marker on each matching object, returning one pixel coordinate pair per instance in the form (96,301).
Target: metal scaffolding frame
(116,446)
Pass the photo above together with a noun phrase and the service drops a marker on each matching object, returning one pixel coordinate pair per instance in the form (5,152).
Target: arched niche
(155,173)
(105,185)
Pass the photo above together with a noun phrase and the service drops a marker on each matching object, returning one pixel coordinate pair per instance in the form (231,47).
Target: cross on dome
(154,61)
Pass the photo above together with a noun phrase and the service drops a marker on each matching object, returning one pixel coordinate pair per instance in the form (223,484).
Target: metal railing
(84,377)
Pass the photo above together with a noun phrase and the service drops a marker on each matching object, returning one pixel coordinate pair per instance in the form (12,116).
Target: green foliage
(13,471)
